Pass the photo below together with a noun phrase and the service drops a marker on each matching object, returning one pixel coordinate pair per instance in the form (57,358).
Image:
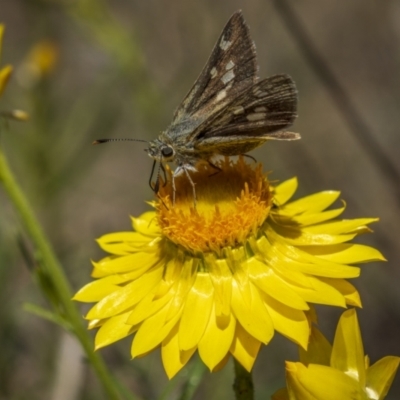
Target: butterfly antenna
(99,141)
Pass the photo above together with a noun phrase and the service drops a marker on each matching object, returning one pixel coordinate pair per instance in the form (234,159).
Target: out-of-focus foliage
(87,69)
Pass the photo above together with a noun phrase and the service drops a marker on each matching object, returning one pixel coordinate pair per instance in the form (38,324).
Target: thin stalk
(55,272)
(243,384)
(195,377)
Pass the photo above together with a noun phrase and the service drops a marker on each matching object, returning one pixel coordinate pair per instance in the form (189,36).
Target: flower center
(231,204)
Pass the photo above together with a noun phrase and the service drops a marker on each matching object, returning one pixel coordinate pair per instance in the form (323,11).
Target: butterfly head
(160,151)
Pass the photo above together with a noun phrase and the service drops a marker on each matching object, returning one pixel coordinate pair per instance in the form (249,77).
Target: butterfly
(228,111)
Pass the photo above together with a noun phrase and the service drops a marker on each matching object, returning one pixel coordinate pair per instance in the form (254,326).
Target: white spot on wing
(260,109)
(228,77)
(221,95)
(238,110)
(179,171)
(258,93)
(224,44)
(256,117)
(230,65)
(213,72)
(183,169)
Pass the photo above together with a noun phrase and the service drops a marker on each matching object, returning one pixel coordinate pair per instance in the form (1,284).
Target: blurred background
(88,69)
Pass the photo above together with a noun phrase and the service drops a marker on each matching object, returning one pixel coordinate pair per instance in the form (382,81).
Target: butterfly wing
(260,113)
(231,68)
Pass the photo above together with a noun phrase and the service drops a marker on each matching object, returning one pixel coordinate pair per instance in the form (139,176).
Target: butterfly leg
(218,169)
(249,156)
(184,168)
(193,186)
(173,190)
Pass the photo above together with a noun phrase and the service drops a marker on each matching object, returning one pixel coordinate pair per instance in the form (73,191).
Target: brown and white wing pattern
(231,69)
(260,113)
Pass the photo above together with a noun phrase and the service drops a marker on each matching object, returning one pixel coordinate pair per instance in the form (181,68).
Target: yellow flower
(39,63)
(5,74)
(338,372)
(6,71)
(221,278)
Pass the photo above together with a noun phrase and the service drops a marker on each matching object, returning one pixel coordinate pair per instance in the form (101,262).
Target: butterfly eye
(167,152)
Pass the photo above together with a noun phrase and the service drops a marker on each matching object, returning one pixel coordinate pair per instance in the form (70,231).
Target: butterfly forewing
(231,69)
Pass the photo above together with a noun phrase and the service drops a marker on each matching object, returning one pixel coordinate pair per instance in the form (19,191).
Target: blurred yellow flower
(5,74)
(338,372)
(39,63)
(222,278)
(6,71)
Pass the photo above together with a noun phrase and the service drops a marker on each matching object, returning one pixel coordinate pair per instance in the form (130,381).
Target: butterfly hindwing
(262,112)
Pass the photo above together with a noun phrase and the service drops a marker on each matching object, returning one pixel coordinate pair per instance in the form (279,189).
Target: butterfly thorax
(163,149)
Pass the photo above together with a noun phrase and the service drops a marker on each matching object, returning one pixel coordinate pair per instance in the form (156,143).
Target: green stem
(55,272)
(243,384)
(195,377)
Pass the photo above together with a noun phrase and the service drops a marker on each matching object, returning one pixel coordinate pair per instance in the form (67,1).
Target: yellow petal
(311,204)
(153,331)
(121,243)
(287,260)
(380,376)
(273,285)
(5,74)
(222,363)
(245,347)
(311,315)
(311,219)
(251,313)
(347,350)
(217,339)
(302,237)
(173,358)
(222,281)
(299,260)
(97,290)
(346,253)
(183,285)
(284,191)
(318,350)
(341,227)
(291,323)
(131,262)
(318,382)
(348,291)
(308,263)
(321,293)
(277,261)
(112,330)
(326,269)
(146,224)
(96,323)
(98,273)
(196,312)
(127,296)
(148,306)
